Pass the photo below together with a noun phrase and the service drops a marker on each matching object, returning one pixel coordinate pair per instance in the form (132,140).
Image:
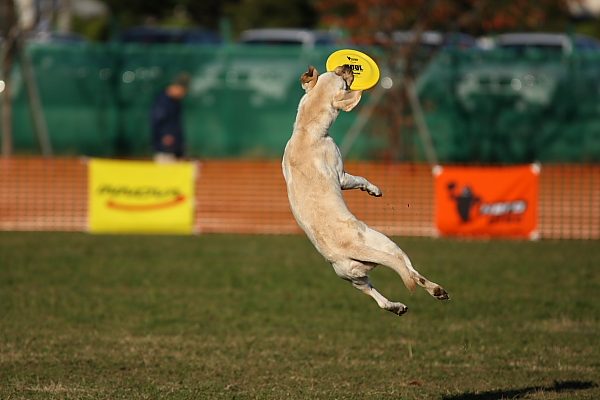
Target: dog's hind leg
(355,272)
(364,284)
(432,288)
(382,250)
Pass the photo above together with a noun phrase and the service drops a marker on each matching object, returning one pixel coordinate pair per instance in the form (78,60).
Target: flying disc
(366,71)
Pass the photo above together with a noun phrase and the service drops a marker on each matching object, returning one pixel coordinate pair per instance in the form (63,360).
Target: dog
(313,169)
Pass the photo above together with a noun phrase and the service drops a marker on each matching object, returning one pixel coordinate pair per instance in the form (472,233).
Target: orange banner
(487,201)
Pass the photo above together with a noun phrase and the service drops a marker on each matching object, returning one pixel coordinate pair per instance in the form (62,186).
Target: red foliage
(362,18)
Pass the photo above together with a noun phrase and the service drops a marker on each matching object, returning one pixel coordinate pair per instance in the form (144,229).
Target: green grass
(265,317)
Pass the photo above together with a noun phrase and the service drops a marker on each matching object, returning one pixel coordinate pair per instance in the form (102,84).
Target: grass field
(265,317)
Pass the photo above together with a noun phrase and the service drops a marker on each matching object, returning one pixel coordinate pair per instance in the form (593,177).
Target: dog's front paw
(374,191)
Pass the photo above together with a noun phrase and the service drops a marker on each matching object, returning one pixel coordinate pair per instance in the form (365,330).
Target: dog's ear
(346,99)
(345,71)
(309,79)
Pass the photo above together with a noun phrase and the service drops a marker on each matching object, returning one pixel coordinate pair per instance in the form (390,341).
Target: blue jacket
(166,119)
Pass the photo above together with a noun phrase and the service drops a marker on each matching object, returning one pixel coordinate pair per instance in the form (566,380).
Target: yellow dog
(315,177)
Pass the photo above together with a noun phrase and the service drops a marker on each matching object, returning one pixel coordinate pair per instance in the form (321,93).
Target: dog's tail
(401,265)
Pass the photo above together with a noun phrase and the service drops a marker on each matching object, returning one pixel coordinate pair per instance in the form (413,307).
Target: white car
(306,38)
(546,41)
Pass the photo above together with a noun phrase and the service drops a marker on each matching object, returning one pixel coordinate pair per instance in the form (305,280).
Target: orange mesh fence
(235,196)
(242,197)
(43,194)
(570,202)
(406,207)
(250,197)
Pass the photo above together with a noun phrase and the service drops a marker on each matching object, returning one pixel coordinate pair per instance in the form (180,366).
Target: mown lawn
(265,317)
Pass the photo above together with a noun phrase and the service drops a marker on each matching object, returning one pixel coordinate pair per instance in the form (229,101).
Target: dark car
(158,35)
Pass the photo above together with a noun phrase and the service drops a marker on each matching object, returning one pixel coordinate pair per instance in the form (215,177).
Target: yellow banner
(141,197)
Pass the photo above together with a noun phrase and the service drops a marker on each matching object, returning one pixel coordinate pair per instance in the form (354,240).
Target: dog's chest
(315,161)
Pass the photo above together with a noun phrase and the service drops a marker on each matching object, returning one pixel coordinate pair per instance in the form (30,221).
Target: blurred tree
(243,14)
(248,14)
(372,21)
(205,13)
(9,31)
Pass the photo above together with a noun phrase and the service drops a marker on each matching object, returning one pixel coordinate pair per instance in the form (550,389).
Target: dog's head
(334,85)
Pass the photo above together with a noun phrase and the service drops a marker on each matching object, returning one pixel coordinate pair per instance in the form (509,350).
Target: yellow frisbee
(366,71)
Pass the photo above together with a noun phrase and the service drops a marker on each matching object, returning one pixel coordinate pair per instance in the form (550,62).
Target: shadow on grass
(558,387)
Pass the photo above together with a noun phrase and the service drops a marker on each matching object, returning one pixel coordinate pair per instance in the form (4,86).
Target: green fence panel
(96,99)
(500,106)
(486,106)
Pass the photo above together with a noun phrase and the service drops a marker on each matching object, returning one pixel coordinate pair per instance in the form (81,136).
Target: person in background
(166,121)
